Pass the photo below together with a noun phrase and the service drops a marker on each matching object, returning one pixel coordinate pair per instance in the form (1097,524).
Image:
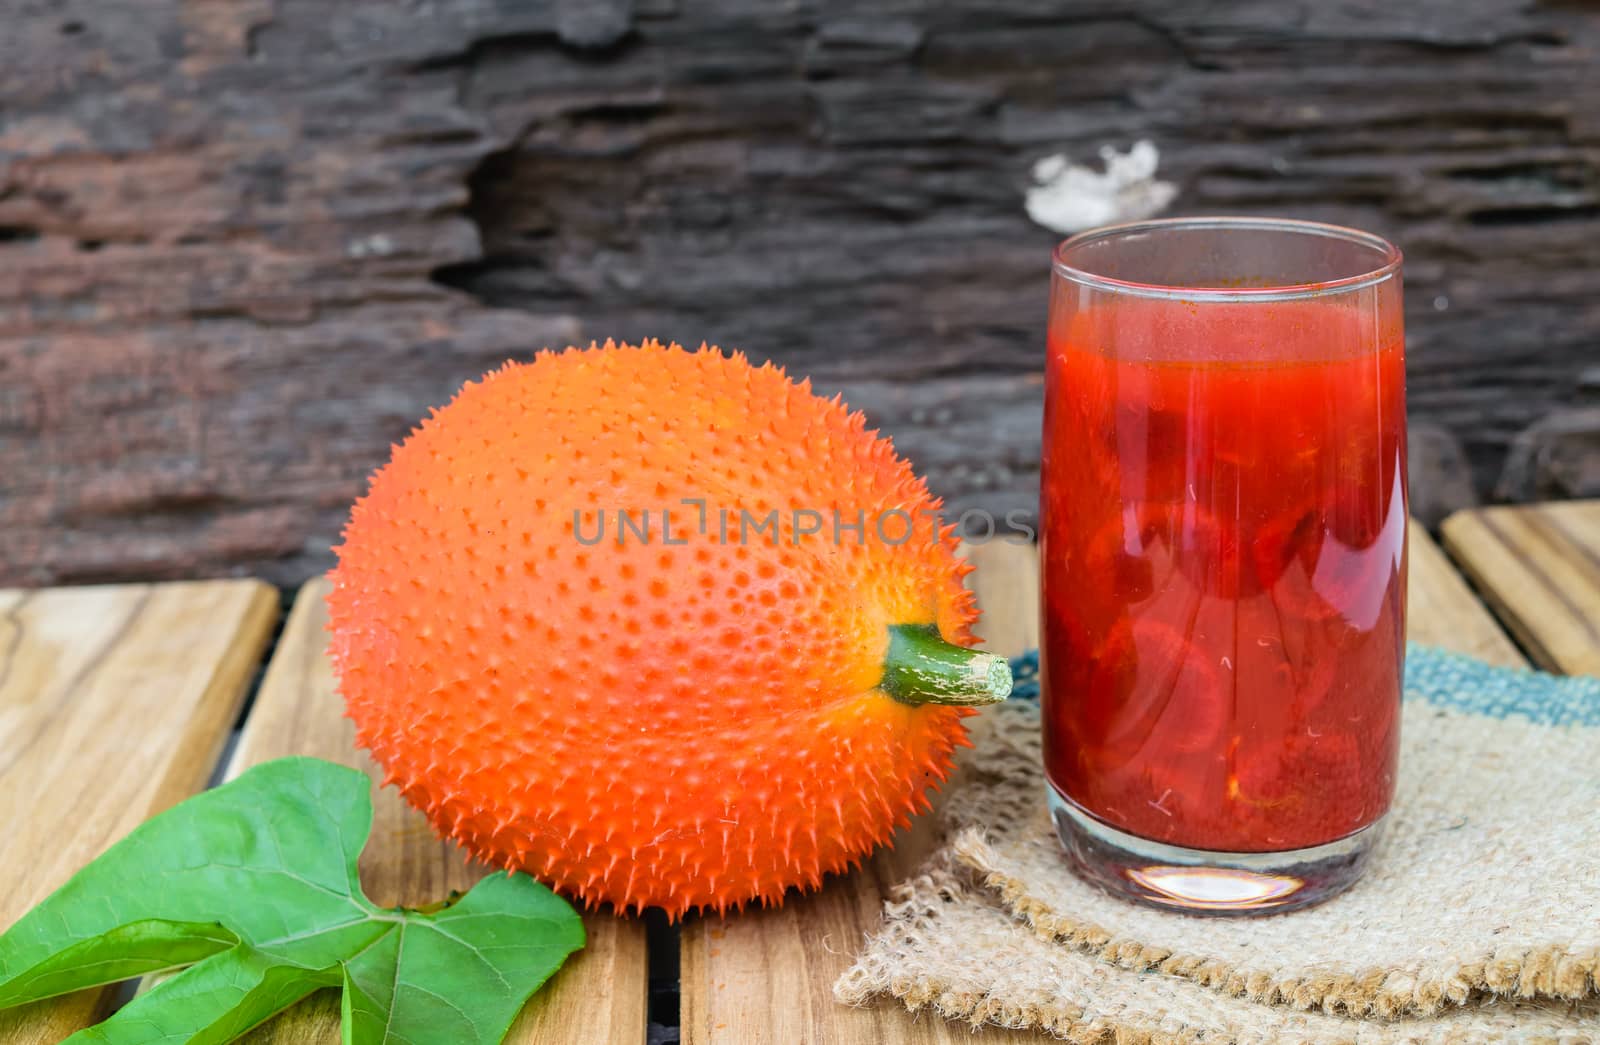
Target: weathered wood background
(245,243)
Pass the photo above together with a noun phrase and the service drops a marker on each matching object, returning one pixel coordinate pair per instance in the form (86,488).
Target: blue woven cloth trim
(1025,676)
(1451,679)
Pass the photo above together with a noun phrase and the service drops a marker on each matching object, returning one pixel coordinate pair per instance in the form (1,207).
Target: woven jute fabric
(1478,920)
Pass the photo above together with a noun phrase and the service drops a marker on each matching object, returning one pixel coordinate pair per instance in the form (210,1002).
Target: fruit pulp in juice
(1224,546)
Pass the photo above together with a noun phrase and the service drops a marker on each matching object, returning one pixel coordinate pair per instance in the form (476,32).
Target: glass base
(1202,881)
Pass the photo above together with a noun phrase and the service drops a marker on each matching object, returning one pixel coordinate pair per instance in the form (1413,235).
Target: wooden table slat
(115,703)
(1442,611)
(598,998)
(1538,567)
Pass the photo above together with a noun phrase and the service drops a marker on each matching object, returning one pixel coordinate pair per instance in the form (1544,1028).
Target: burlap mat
(1485,894)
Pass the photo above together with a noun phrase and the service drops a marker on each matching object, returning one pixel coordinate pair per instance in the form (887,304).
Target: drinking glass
(1223,537)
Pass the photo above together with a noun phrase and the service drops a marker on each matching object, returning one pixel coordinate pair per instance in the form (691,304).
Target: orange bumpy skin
(683,726)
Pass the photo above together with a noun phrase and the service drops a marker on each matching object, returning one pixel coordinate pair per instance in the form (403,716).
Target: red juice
(1224,542)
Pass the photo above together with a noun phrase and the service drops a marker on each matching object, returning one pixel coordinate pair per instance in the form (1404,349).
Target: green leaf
(254,887)
(487,947)
(120,954)
(210,1003)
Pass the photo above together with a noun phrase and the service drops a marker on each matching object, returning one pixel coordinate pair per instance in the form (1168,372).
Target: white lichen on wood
(1066,197)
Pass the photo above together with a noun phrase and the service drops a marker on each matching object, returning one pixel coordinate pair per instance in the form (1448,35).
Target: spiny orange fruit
(706,705)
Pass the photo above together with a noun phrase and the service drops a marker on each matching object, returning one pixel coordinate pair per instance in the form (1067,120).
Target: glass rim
(1390,253)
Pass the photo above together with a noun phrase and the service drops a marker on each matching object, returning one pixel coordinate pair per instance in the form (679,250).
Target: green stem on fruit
(922,668)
